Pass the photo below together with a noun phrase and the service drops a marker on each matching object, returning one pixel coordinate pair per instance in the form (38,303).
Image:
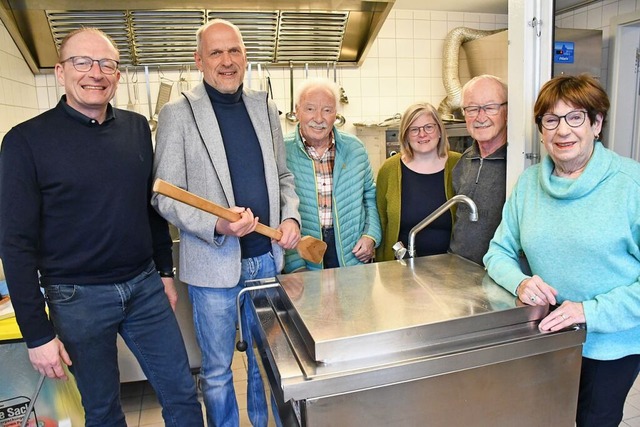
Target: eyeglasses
(574,119)
(489,109)
(428,129)
(84,64)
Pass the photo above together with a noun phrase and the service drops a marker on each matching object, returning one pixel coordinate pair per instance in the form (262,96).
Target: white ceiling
(477,6)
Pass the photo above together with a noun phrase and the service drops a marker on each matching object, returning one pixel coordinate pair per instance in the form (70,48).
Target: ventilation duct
(449,107)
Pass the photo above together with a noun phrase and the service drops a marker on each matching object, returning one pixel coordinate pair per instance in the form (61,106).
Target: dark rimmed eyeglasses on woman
(574,119)
(428,129)
(489,109)
(84,64)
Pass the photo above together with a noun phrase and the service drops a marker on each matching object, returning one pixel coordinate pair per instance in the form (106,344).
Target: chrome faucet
(399,249)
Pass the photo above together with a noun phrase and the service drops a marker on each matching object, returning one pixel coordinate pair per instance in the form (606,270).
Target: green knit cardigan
(389,196)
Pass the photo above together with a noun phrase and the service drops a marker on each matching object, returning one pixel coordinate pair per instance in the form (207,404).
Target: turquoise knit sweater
(582,237)
(354,197)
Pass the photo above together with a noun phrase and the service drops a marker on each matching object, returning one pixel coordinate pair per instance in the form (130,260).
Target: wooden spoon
(309,248)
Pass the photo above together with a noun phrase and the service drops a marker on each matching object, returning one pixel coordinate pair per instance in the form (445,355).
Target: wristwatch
(170,273)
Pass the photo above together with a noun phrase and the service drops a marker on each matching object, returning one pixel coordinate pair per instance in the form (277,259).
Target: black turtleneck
(246,164)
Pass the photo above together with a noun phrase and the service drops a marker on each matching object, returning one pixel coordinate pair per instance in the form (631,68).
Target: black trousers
(604,386)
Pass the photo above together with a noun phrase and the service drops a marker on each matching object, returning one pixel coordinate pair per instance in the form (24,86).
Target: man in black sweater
(75,219)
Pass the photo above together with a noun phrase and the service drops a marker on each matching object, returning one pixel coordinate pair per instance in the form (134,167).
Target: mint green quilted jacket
(355,212)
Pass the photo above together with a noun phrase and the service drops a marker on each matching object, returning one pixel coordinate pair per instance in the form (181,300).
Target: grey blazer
(190,154)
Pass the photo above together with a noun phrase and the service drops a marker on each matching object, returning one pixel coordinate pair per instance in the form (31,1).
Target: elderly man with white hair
(334,181)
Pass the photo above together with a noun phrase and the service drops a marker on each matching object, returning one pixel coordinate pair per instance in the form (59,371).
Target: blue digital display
(563,52)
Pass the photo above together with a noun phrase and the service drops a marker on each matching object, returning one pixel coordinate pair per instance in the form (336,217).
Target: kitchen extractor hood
(162,32)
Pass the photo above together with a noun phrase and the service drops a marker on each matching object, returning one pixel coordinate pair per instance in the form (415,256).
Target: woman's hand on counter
(534,291)
(48,358)
(564,316)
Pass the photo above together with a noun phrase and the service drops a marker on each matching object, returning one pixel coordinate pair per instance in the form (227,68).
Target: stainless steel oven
(459,139)
(392,141)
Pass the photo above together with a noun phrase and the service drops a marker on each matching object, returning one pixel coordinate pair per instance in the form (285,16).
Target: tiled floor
(142,408)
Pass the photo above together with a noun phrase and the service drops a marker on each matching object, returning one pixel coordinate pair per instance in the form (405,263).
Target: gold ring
(564,316)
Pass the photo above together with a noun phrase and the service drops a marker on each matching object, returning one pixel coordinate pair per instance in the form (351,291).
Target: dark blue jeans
(87,319)
(330,259)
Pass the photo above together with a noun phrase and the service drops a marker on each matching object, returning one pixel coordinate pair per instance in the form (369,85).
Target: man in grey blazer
(224,143)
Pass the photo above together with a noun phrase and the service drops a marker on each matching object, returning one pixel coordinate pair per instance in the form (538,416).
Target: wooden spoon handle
(184,196)
(309,248)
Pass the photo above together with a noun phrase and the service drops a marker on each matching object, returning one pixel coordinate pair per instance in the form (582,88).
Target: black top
(74,207)
(246,165)
(421,195)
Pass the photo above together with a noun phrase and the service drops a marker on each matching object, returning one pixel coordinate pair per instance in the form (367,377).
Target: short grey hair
(317,83)
(71,34)
(215,21)
(468,85)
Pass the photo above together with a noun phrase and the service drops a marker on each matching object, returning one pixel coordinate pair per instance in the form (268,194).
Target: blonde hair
(409,116)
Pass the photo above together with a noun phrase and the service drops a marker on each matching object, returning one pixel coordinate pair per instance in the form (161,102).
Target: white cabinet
(374,140)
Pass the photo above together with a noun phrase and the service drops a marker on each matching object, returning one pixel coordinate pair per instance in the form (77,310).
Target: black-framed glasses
(428,129)
(84,64)
(574,119)
(489,109)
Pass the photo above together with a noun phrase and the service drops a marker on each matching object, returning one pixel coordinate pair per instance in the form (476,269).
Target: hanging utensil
(130,105)
(270,90)
(340,120)
(136,89)
(152,122)
(164,95)
(291,115)
(183,83)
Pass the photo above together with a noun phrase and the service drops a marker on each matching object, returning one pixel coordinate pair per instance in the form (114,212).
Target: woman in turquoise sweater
(414,183)
(576,217)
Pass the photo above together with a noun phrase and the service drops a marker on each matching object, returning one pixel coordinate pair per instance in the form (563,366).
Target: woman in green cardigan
(414,183)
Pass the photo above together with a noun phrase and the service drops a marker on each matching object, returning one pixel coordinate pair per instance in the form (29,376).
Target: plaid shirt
(323,166)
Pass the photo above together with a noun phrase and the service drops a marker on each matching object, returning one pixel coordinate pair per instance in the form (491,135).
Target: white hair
(317,83)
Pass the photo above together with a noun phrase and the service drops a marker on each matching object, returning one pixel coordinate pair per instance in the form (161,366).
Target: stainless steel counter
(392,343)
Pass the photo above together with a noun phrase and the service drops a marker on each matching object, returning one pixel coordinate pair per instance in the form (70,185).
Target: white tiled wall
(18,98)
